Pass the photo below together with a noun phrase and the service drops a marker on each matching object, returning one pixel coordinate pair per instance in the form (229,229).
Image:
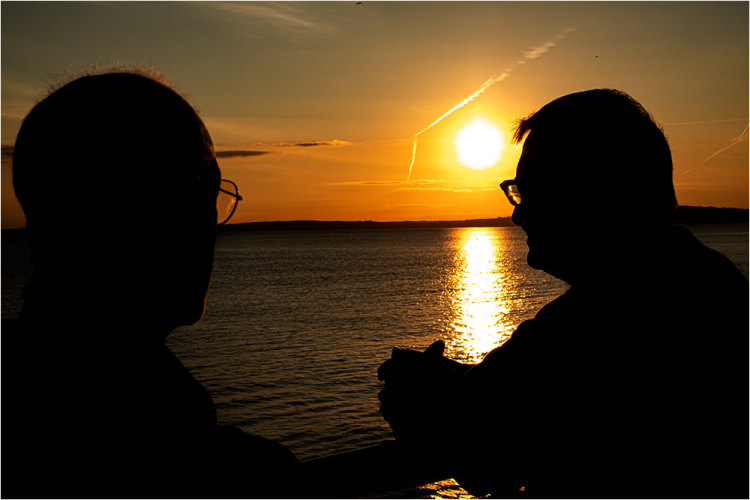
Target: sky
(313,107)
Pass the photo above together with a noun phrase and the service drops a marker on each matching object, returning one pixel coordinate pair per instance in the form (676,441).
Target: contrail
(731,144)
(491,81)
(702,122)
(530,54)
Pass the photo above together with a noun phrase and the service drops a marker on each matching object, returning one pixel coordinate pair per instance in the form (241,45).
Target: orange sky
(324,98)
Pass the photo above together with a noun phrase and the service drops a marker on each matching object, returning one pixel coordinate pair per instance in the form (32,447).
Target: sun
(479,144)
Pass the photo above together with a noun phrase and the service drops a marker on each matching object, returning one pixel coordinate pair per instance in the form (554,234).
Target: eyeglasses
(226,202)
(510,188)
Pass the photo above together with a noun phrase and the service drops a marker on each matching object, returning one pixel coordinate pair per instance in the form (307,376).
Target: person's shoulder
(20,344)
(700,263)
(535,333)
(8,324)
(9,329)
(552,318)
(267,450)
(247,462)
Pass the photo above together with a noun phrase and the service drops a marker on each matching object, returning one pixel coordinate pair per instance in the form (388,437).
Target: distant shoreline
(684,215)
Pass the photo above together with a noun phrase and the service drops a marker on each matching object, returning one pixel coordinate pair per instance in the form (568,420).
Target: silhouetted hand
(418,392)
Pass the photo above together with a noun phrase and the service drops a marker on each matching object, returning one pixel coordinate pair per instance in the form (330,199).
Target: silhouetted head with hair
(595,176)
(117,177)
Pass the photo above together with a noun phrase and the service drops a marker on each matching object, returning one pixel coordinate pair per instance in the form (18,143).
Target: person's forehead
(544,154)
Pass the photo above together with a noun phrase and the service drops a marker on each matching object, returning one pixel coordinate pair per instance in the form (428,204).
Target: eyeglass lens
(510,188)
(226,202)
(514,194)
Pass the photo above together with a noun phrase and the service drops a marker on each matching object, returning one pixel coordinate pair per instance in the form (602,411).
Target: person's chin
(550,266)
(535,259)
(194,314)
(542,262)
(184,313)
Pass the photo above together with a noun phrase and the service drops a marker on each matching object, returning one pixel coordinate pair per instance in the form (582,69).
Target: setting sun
(479,144)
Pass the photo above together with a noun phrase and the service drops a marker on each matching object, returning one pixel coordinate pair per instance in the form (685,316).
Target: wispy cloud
(427,189)
(417,205)
(247,153)
(281,14)
(386,183)
(418,185)
(449,190)
(240,153)
(333,143)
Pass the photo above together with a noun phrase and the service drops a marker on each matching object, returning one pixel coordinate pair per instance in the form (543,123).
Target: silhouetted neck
(59,306)
(625,253)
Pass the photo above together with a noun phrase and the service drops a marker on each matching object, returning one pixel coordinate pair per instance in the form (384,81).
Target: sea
(297,322)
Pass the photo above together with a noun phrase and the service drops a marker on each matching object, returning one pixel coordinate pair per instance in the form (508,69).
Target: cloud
(374,183)
(7,151)
(386,183)
(449,190)
(280,14)
(334,143)
(411,187)
(416,205)
(244,153)
(240,153)
(418,185)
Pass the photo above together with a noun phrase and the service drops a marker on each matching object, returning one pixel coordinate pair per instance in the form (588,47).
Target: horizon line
(406,221)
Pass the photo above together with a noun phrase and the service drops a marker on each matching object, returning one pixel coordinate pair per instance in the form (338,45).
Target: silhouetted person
(117,176)
(633,383)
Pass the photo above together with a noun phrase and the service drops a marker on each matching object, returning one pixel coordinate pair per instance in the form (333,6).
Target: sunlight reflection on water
(479,296)
(448,488)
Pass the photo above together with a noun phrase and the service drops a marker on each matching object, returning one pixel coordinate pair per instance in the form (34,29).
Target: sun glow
(479,144)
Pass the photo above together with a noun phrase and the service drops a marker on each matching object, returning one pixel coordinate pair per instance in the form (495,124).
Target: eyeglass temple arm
(236,194)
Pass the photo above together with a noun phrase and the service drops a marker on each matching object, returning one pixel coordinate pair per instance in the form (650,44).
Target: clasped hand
(419,392)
